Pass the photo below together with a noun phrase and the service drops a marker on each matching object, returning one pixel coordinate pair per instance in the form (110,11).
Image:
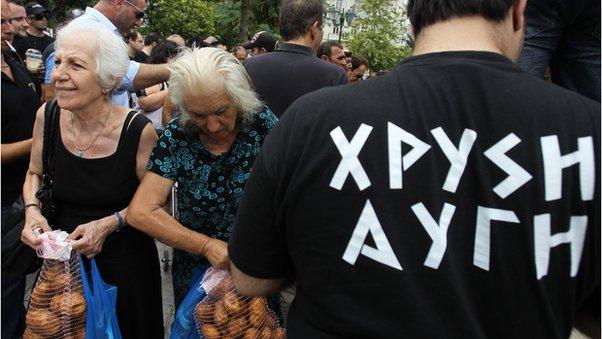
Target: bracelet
(120,221)
(30,205)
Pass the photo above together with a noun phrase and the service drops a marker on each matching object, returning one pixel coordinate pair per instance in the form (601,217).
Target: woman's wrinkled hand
(88,238)
(33,220)
(216,251)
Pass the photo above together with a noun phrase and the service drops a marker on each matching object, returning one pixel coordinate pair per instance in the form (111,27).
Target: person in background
(359,65)
(209,151)
(240,53)
(348,55)
(36,40)
(332,51)
(19,19)
(120,16)
(100,157)
(178,39)
(20,100)
(261,43)
(282,76)
(564,37)
(150,100)
(135,44)
(150,41)
(456,196)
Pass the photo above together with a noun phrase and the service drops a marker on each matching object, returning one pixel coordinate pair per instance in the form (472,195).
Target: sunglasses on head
(139,12)
(39,16)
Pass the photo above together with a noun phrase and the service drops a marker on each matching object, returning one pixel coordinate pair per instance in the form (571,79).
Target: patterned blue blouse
(210,187)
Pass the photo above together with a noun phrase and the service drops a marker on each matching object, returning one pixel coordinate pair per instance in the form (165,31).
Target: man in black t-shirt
(282,76)
(20,100)
(36,39)
(454,197)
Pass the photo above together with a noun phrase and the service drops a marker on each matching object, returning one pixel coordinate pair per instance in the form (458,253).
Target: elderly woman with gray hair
(208,150)
(100,156)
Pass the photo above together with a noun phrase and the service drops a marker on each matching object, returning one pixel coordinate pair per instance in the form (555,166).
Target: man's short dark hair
(131,35)
(297,16)
(423,13)
(325,48)
(358,60)
(165,49)
(152,37)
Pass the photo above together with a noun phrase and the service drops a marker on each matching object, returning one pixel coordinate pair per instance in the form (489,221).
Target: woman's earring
(105,91)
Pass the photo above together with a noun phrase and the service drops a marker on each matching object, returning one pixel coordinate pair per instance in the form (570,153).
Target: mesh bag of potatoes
(57,306)
(223,313)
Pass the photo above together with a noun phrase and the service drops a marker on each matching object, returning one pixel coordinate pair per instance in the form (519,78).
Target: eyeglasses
(39,16)
(139,12)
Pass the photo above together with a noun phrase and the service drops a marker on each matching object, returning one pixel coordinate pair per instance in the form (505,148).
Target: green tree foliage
(227,21)
(379,33)
(189,18)
(264,15)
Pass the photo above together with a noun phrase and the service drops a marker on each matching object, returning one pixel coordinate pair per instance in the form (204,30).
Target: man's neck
(303,41)
(35,32)
(104,9)
(463,34)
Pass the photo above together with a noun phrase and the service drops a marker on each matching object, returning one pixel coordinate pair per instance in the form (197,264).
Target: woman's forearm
(32,184)
(158,224)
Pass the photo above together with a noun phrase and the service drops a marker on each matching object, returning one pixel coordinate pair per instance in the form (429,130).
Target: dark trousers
(564,35)
(13,293)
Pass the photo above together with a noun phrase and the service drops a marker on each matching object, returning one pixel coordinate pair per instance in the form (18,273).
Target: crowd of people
(455,195)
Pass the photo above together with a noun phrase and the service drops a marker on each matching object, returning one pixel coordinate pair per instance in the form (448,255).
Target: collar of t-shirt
(93,16)
(294,48)
(458,56)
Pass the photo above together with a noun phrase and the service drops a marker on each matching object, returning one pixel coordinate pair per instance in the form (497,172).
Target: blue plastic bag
(101,299)
(184,325)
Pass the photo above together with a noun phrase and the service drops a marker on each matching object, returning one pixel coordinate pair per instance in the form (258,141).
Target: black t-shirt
(282,76)
(356,231)
(20,101)
(140,57)
(34,42)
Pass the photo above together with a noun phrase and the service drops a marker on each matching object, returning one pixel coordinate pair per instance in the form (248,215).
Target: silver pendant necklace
(79,152)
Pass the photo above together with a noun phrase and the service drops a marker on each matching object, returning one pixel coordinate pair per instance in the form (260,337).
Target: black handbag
(44,194)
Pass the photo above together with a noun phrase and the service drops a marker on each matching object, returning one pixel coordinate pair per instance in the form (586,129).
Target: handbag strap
(51,120)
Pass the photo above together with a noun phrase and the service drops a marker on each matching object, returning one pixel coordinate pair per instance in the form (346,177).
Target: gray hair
(201,65)
(112,59)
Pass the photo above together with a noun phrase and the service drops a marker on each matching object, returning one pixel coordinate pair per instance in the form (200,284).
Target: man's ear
(518,15)
(118,3)
(324,57)
(314,30)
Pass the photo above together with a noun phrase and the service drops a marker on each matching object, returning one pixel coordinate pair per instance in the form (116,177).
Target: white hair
(202,65)
(112,59)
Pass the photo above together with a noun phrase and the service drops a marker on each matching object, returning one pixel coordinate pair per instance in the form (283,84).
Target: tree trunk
(245,13)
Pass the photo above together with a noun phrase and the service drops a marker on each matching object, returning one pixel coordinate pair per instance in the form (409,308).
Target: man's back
(388,239)
(282,76)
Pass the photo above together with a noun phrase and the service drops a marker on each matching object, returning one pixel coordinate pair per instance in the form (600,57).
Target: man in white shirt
(121,16)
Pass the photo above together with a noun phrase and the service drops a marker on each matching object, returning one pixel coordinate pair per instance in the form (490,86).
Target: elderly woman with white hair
(100,156)
(208,150)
